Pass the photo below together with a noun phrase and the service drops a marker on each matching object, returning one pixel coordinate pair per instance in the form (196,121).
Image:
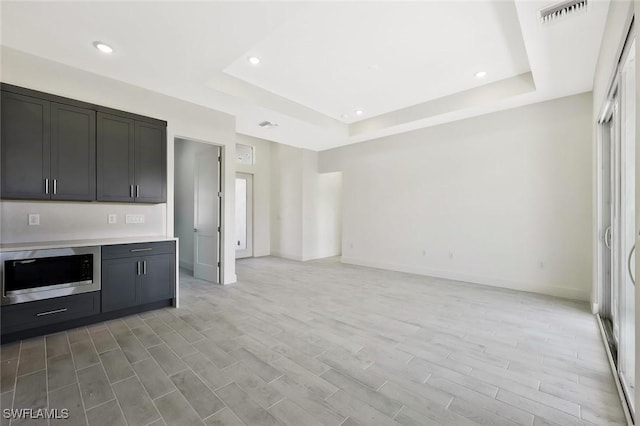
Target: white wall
(74,221)
(286,201)
(502,199)
(261,171)
(305,206)
(322,210)
(184,120)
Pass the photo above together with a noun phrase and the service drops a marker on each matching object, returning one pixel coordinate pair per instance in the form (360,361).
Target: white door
(206,221)
(244,215)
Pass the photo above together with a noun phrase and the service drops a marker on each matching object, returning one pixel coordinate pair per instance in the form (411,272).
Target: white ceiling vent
(267,124)
(562,10)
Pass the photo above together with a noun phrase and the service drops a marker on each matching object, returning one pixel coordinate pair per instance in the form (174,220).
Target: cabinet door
(25,140)
(150,163)
(115,158)
(119,283)
(73,153)
(158,278)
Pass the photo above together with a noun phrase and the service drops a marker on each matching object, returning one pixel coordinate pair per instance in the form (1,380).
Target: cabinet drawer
(138,249)
(43,312)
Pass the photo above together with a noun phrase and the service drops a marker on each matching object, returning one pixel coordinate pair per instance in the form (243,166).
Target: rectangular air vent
(562,10)
(268,124)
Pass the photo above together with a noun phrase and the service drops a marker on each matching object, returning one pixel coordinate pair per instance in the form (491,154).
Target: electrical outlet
(134,218)
(34,219)
(112,218)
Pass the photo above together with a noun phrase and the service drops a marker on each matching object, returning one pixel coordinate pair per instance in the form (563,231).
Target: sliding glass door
(626,352)
(618,221)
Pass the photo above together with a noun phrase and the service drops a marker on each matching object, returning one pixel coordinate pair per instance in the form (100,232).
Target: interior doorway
(198,208)
(244,215)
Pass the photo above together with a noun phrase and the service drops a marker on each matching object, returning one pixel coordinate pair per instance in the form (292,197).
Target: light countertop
(41,245)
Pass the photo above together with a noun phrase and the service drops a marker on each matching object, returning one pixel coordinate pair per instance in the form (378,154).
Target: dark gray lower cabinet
(24,316)
(133,275)
(157,281)
(119,284)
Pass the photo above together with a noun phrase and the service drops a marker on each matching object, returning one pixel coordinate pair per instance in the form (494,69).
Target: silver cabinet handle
(46,186)
(130,191)
(138,266)
(57,311)
(607,237)
(144,267)
(633,280)
(139,250)
(55,186)
(137,191)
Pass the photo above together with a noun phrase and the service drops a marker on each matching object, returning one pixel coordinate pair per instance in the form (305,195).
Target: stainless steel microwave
(44,274)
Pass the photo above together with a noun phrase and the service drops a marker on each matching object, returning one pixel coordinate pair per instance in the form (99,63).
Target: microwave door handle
(56,311)
(24,262)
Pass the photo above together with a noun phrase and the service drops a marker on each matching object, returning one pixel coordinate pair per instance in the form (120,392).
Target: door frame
(250,213)
(221,189)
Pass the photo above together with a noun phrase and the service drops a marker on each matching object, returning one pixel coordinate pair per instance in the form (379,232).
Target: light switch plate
(112,218)
(34,219)
(134,218)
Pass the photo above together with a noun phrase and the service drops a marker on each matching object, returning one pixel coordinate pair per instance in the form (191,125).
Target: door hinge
(218,264)
(218,229)
(219,159)
(220,194)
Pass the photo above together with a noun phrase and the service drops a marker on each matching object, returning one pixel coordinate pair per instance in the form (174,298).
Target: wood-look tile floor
(321,343)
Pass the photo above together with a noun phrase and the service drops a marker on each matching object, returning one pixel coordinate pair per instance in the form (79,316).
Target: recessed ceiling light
(481,74)
(104,48)
(253,60)
(359,112)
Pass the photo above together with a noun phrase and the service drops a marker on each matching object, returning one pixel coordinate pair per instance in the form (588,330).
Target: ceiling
(404,65)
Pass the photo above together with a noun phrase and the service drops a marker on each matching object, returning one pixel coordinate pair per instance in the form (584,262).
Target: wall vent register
(562,10)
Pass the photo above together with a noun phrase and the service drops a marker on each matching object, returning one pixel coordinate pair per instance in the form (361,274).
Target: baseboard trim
(186,265)
(583,295)
(287,256)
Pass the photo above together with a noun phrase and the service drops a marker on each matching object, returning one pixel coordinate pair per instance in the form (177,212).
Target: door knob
(633,280)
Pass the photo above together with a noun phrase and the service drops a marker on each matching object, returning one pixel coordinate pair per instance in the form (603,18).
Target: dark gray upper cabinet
(26,147)
(115,158)
(73,153)
(56,148)
(150,163)
(48,150)
(132,160)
